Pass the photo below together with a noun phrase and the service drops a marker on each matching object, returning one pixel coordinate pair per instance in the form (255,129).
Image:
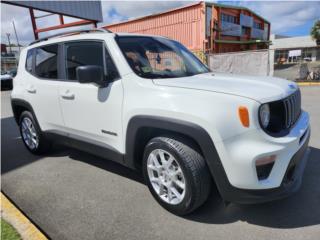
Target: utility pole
(8,36)
(15,32)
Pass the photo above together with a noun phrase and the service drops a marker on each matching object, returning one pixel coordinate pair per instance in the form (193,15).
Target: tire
(195,174)
(42,144)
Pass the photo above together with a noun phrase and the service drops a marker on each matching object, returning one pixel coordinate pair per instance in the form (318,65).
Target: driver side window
(88,53)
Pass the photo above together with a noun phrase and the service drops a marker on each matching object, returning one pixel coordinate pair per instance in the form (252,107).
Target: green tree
(315,32)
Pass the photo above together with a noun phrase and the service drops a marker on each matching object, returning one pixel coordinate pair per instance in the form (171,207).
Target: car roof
(67,38)
(123,34)
(85,36)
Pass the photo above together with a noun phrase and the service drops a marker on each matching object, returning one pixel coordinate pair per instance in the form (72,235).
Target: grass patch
(8,232)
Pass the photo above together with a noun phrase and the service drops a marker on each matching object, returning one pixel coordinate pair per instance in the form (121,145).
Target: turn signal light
(244,116)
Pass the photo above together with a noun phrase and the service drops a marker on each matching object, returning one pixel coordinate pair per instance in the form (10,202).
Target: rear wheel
(176,174)
(31,134)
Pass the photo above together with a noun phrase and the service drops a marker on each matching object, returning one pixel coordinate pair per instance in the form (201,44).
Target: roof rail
(70,33)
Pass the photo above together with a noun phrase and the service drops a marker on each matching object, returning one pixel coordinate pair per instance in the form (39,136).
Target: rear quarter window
(29,60)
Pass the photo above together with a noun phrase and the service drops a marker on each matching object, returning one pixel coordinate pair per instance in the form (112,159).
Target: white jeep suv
(148,103)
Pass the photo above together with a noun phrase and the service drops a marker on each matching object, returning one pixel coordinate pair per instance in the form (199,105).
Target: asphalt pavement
(73,195)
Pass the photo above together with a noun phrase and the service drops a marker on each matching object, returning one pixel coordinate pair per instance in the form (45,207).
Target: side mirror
(91,74)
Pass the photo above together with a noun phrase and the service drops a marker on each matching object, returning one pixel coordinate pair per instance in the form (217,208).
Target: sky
(291,18)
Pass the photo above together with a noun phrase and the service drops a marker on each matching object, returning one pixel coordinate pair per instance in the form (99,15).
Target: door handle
(67,95)
(31,89)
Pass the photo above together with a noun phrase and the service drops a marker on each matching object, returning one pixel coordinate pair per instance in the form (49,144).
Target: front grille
(292,108)
(284,114)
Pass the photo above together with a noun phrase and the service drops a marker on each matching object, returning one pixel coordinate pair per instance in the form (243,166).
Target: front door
(91,113)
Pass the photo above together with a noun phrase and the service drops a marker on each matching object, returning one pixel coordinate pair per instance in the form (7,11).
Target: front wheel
(176,174)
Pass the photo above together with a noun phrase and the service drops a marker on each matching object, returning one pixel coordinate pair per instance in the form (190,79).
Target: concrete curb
(26,229)
(308,83)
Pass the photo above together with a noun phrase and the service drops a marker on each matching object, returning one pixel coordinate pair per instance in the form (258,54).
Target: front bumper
(290,183)
(237,178)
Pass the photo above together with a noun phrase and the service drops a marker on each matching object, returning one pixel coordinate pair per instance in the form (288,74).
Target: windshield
(157,57)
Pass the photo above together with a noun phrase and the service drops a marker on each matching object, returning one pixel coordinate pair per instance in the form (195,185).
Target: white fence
(258,62)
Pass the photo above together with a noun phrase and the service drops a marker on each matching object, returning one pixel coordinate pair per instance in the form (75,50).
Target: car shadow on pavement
(105,164)
(298,210)
(13,153)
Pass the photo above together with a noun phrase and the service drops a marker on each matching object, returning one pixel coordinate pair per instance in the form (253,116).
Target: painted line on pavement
(308,83)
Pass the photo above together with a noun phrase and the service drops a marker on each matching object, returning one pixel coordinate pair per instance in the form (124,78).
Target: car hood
(261,89)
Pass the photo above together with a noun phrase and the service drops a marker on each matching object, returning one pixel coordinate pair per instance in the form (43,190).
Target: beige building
(294,49)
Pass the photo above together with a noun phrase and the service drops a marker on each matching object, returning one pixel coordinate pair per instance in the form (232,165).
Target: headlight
(264,115)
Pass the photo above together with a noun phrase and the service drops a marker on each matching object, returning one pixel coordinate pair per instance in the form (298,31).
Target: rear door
(42,85)
(91,113)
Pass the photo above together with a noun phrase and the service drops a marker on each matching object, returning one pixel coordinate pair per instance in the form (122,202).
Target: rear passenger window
(29,60)
(47,62)
(88,53)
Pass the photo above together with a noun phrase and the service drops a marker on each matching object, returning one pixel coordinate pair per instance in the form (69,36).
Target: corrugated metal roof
(187,6)
(89,10)
(186,25)
(154,14)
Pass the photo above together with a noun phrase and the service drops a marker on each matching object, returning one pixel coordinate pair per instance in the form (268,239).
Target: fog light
(264,166)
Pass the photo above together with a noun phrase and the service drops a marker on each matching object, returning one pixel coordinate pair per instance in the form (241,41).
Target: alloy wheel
(166,176)
(29,133)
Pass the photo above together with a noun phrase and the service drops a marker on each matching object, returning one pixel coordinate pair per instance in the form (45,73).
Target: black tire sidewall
(188,201)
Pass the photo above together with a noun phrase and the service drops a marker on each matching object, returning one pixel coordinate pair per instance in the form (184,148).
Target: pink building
(204,27)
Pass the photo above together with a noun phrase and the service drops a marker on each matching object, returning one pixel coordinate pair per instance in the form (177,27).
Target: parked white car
(148,103)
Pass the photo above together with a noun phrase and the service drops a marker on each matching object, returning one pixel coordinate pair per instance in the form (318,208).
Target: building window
(245,31)
(257,25)
(229,18)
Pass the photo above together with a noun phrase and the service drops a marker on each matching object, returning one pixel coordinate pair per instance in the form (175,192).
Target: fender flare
(193,131)
(15,102)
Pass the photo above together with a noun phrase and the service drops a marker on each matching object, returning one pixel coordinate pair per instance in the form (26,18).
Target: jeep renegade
(148,103)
